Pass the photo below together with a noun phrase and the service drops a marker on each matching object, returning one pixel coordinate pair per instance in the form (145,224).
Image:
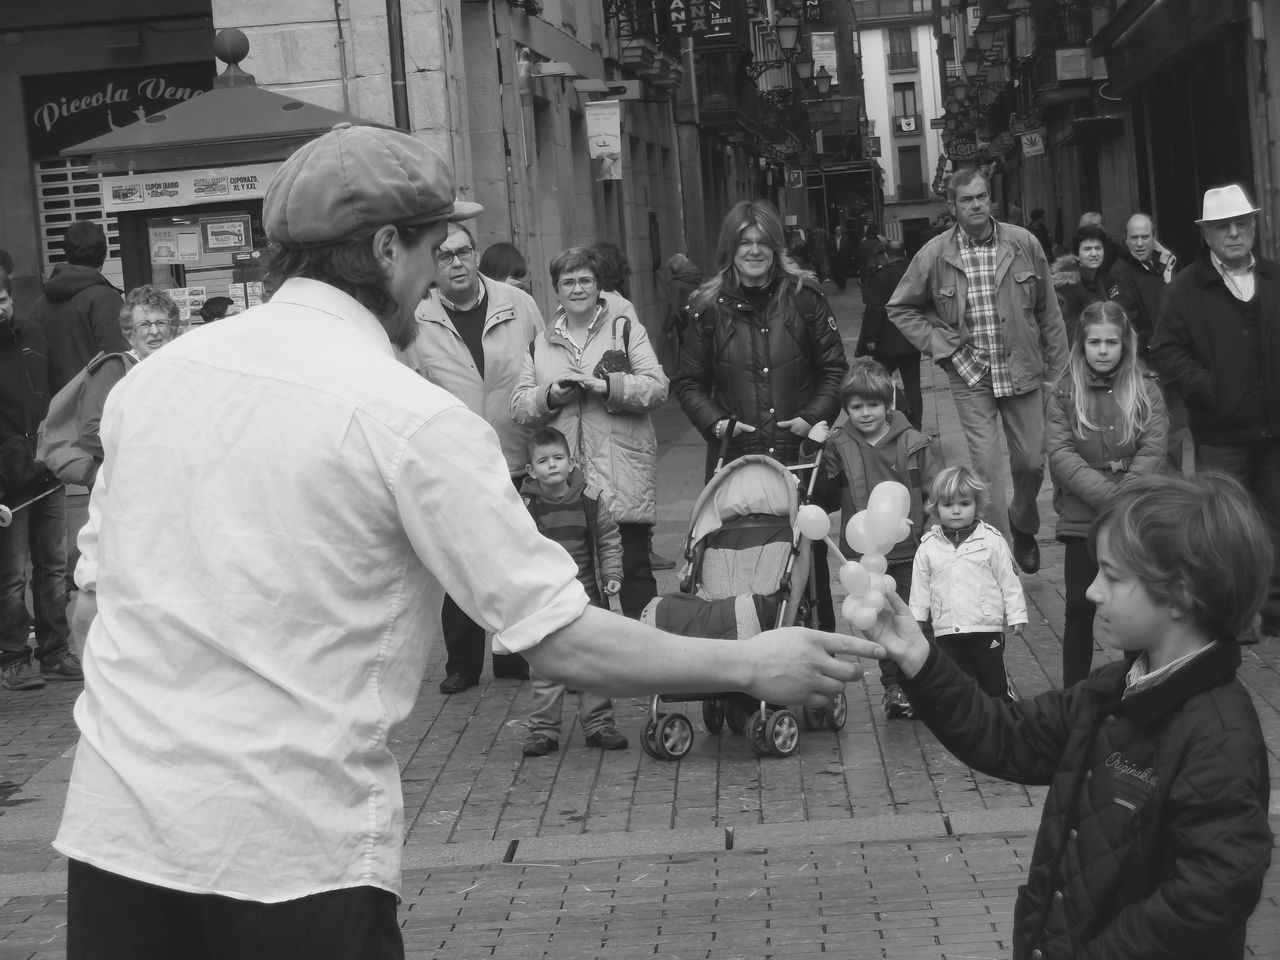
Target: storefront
(186,184)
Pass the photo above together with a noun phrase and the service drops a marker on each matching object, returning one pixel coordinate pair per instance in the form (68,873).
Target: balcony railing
(866,10)
(904,60)
(913,191)
(907,124)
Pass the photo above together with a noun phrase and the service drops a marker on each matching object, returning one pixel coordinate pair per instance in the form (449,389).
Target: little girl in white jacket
(965,583)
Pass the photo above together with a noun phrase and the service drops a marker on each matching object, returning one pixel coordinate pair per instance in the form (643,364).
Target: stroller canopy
(754,484)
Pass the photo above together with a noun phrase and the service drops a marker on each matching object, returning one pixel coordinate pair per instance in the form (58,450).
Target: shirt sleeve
(468,526)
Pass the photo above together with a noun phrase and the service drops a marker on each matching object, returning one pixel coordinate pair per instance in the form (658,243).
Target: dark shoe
(21,675)
(65,668)
(539,745)
(456,683)
(1026,552)
(607,738)
(509,666)
(658,562)
(896,704)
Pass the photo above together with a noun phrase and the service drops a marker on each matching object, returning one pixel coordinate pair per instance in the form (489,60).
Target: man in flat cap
(1217,344)
(271,535)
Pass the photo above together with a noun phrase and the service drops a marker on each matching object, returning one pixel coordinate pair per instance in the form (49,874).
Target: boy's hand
(898,632)
(797,425)
(819,432)
(613,586)
(1017,629)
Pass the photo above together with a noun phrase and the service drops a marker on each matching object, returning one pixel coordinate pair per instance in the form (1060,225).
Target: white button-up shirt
(280,511)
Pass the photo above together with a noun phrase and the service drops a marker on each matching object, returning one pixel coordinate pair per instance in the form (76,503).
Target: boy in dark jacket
(576,516)
(877,443)
(1154,838)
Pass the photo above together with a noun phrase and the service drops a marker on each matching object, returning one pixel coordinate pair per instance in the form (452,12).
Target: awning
(1087,129)
(237,122)
(1143,34)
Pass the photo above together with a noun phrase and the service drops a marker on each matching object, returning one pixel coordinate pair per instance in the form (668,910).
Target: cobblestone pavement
(872,842)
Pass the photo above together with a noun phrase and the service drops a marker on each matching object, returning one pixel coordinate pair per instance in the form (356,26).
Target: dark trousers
(38,531)
(981,656)
(1257,466)
(1078,571)
(908,367)
(464,642)
(110,917)
(638,583)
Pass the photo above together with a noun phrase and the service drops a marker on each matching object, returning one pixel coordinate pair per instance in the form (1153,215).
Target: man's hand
(612,587)
(819,432)
(897,631)
(797,425)
(797,665)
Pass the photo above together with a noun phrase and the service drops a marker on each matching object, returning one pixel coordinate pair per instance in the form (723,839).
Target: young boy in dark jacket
(576,516)
(1154,838)
(877,443)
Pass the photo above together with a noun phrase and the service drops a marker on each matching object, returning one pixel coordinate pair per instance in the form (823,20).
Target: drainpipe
(395,43)
(342,56)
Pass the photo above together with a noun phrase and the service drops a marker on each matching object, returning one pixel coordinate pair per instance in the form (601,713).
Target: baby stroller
(748,570)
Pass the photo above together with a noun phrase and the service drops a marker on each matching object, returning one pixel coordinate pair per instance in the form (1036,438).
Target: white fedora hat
(1226,203)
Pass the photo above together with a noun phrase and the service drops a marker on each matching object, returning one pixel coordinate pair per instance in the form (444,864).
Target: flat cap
(353,180)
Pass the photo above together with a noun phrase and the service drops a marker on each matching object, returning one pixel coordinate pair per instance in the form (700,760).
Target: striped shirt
(983,352)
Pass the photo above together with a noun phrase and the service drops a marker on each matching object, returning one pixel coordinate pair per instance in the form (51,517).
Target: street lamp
(804,67)
(822,80)
(972,63)
(787,32)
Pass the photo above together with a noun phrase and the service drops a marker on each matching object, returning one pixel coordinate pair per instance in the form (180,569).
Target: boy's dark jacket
(1154,839)
(853,466)
(604,545)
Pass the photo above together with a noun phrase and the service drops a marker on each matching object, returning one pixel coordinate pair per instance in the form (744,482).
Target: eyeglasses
(148,325)
(462,255)
(569,283)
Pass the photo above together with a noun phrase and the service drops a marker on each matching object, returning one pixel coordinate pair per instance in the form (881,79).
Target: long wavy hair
(1126,381)
(744,215)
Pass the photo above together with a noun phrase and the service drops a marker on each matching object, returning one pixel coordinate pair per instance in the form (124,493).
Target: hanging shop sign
(63,109)
(1033,142)
(709,19)
(604,137)
(184,188)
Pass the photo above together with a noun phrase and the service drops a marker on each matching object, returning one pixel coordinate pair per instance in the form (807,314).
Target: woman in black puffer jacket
(761,347)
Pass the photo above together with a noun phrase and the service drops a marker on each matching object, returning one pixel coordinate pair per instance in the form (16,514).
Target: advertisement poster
(188,299)
(824,55)
(1033,142)
(604,137)
(225,234)
(173,244)
(183,188)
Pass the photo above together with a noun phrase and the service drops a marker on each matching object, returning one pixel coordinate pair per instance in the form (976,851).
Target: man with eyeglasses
(473,334)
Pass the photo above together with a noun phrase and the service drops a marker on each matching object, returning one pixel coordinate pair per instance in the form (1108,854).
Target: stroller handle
(725,441)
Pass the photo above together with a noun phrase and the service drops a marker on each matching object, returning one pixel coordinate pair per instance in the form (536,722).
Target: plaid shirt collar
(967,242)
(561,328)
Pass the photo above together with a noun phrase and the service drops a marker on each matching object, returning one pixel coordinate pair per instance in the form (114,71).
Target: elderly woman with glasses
(149,319)
(593,375)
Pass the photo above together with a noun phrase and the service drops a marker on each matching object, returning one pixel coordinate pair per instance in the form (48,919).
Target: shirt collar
(320,296)
(968,242)
(1138,678)
(1224,270)
(562,320)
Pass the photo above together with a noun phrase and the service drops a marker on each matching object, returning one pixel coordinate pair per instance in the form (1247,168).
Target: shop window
(67,191)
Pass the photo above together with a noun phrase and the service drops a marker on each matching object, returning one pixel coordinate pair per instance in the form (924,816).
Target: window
(902,55)
(904,100)
(911,184)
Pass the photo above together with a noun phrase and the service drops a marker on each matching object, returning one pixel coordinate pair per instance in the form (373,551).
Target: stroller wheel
(675,736)
(713,715)
(838,712)
(649,738)
(735,716)
(782,731)
(756,724)
(815,718)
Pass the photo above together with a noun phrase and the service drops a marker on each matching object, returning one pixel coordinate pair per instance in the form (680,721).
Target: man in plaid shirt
(977,299)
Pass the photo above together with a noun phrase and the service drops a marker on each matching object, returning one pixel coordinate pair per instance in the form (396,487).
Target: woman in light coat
(593,375)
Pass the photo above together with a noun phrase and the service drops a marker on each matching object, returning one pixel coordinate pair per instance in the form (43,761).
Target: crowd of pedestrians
(416,447)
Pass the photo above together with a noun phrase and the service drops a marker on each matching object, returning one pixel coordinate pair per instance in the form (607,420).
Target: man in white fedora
(1217,343)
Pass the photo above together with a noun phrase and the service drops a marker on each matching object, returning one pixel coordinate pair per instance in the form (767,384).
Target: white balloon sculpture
(873,533)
